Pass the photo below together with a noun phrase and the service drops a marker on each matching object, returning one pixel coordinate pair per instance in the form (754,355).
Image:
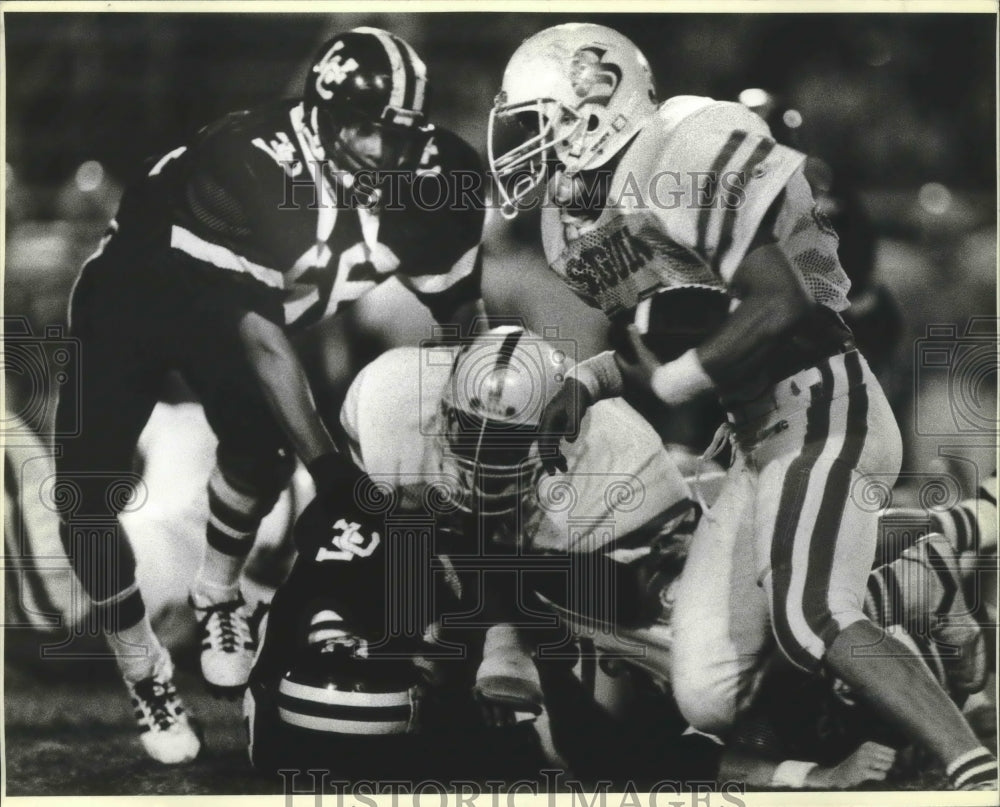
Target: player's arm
(772,300)
(869,762)
(284,383)
(442,253)
(453,298)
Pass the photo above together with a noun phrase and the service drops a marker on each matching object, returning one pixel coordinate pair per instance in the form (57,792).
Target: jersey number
(359,270)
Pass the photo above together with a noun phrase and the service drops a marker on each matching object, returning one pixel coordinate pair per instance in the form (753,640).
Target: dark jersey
(249,198)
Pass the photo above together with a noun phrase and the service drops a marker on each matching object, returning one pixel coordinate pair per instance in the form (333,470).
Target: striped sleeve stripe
(435,283)
(981,774)
(721,160)
(971,766)
(763,148)
(823,542)
(186,241)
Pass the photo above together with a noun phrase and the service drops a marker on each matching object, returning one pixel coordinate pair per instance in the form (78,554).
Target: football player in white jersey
(642,198)
(445,436)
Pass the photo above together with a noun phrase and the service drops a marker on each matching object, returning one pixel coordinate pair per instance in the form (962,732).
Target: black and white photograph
(479,404)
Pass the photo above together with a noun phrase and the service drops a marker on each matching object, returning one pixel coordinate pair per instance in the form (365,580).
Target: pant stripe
(793,494)
(823,541)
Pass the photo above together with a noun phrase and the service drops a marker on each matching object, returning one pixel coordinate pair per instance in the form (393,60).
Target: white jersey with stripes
(619,474)
(683,207)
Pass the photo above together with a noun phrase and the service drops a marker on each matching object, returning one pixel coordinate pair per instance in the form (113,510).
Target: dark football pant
(135,321)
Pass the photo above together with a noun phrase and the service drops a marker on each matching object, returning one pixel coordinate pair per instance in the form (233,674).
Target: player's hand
(637,369)
(344,518)
(561,419)
(870,762)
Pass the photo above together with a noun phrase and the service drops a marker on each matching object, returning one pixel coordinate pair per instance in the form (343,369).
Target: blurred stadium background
(899,110)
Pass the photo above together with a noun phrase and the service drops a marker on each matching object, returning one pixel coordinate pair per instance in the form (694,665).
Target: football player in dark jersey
(265,222)
(644,199)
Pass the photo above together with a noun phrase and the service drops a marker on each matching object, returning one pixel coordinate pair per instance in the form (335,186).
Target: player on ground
(641,197)
(266,222)
(450,429)
(449,432)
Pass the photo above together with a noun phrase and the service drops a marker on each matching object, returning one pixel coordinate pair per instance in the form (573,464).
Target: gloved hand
(344,519)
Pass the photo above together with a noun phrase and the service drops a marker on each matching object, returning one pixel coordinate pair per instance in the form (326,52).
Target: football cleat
(167,733)
(227,645)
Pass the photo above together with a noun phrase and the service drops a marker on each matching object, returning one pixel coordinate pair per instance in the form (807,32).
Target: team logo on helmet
(593,80)
(332,69)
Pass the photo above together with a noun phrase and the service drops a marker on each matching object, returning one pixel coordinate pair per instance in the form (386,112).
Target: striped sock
(972,769)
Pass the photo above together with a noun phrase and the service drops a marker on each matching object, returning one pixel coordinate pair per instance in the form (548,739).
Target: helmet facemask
(336,125)
(580,93)
(493,462)
(521,143)
(365,102)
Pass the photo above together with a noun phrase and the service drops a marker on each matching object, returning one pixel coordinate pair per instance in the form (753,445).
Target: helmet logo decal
(594,81)
(332,69)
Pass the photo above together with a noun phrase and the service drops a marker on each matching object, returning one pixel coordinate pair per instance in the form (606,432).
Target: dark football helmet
(365,82)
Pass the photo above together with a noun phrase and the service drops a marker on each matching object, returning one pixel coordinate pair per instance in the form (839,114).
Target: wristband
(791,773)
(680,380)
(599,374)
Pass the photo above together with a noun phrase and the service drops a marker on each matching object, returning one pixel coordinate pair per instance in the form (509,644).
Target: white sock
(220,572)
(205,591)
(137,650)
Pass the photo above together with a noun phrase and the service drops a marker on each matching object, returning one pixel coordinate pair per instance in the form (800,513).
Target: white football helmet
(579,89)
(492,405)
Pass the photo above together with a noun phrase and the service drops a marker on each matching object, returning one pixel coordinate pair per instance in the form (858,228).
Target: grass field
(69,731)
